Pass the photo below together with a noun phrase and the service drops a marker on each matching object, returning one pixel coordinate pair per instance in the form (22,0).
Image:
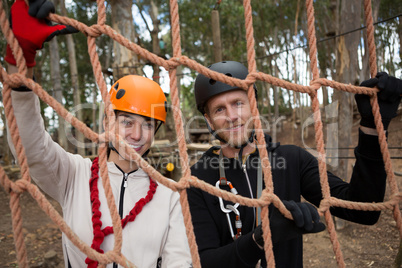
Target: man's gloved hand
(305,216)
(389,98)
(32,29)
(305,220)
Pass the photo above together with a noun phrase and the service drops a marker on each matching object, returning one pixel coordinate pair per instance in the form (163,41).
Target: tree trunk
(295,78)
(276,113)
(58,93)
(346,69)
(6,149)
(125,60)
(399,31)
(275,90)
(74,82)
(153,12)
(304,113)
(216,35)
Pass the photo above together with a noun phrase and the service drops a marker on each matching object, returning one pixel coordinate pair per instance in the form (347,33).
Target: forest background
(280,32)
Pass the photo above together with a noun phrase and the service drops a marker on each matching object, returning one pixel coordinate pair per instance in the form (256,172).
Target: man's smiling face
(229,115)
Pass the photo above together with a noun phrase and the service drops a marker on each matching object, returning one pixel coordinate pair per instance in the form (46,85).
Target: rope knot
(266,198)
(315,84)
(184,183)
(95,30)
(21,186)
(15,80)
(251,78)
(325,204)
(173,63)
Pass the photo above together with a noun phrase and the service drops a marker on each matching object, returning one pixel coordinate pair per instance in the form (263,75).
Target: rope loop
(173,63)
(15,80)
(325,205)
(21,186)
(95,30)
(315,84)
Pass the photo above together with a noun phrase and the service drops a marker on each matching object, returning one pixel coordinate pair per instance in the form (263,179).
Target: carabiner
(238,223)
(224,182)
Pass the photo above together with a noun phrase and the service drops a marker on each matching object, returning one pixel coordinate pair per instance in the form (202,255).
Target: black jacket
(295,174)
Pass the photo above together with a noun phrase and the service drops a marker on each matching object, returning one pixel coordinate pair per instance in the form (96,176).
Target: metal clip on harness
(230,208)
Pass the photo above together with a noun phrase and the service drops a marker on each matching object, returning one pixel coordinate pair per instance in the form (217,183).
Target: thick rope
(174,11)
(319,135)
(377,116)
(252,66)
(17,229)
(17,188)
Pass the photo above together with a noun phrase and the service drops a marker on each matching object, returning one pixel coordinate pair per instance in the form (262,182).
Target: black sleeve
(243,252)
(367,183)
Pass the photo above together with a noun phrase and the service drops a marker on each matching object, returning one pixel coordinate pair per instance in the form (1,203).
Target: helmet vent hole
(229,74)
(120,94)
(116,87)
(212,81)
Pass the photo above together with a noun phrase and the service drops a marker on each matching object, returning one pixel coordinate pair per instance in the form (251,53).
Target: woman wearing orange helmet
(153,228)
(140,108)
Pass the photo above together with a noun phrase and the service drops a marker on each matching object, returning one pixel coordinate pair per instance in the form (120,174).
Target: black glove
(305,216)
(40,8)
(389,98)
(305,220)
(33,30)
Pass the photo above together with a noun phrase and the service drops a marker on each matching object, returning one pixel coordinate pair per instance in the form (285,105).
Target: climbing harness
(229,208)
(99,234)
(233,208)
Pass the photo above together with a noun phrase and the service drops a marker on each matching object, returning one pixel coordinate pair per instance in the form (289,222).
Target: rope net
(15,189)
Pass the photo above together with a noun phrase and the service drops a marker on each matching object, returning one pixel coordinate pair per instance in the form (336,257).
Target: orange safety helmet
(139,95)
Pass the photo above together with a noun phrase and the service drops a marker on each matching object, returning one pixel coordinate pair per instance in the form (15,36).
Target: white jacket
(158,231)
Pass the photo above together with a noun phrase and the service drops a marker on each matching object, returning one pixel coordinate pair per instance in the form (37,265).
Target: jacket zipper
(122,190)
(121,201)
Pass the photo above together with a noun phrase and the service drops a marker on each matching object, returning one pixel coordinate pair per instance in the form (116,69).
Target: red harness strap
(99,234)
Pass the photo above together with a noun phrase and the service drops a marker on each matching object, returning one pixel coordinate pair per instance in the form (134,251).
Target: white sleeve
(176,251)
(50,166)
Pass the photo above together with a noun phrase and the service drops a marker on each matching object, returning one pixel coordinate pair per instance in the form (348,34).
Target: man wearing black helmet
(229,235)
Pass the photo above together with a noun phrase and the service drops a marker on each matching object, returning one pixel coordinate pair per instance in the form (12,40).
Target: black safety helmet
(205,87)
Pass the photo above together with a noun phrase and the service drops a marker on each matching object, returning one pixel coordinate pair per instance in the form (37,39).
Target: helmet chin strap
(250,140)
(111,146)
